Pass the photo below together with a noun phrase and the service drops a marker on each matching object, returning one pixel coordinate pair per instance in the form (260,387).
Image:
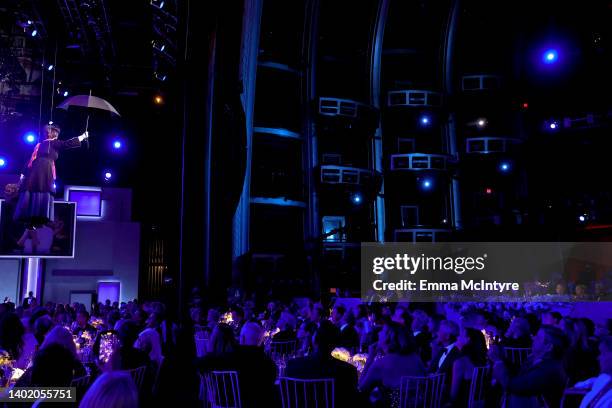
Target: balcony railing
(481,82)
(488,145)
(420,234)
(331,174)
(419,161)
(413,97)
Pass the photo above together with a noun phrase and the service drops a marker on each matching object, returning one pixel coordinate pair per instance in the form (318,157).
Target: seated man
(256,371)
(542,376)
(321,365)
(600,395)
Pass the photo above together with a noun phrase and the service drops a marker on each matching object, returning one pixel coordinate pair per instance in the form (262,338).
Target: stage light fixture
(550,56)
(34,33)
(426,184)
(425,120)
(356,198)
(158,100)
(2,162)
(504,166)
(481,123)
(582,218)
(117,144)
(50,67)
(66,93)
(29,138)
(107,175)
(489,190)
(525,105)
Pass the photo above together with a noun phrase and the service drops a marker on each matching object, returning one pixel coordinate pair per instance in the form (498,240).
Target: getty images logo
(413,264)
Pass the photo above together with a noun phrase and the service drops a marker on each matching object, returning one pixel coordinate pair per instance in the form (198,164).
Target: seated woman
(473,348)
(58,337)
(114,389)
(399,360)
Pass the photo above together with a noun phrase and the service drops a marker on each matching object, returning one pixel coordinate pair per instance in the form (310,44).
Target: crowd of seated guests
(54,344)
(399,339)
(414,340)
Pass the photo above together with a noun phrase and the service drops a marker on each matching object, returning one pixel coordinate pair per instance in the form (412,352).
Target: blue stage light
(66,93)
(426,184)
(108,175)
(425,120)
(582,218)
(553,125)
(29,138)
(34,33)
(2,162)
(117,144)
(356,198)
(504,167)
(550,56)
(50,67)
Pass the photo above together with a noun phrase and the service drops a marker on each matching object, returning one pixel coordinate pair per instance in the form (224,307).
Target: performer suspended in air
(37,186)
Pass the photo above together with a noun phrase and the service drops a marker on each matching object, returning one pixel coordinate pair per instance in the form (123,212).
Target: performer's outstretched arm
(70,143)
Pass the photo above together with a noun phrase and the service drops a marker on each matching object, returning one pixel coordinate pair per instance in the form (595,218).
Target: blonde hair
(60,335)
(113,389)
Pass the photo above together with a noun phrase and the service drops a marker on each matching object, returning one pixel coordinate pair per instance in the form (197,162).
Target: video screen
(54,239)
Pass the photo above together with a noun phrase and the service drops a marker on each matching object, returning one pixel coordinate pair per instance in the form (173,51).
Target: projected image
(54,238)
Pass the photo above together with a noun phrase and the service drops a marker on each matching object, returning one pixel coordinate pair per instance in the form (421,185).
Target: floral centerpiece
(6,368)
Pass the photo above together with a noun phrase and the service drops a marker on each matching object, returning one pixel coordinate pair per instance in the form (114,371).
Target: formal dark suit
(446,368)
(256,374)
(324,366)
(546,378)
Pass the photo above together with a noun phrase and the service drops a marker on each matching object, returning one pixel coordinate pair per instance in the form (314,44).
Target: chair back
(138,375)
(81,382)
(421,392)
(572,397)
(222,389)
(481,379)
(157,379)
(201,344)
(307,393)
(517,355)
(284,348)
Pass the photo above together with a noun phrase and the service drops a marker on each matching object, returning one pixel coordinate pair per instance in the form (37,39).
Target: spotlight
(481,123)
(426,184)
(29,138)
(550,56)
(552,125)
(356,198)
(163,47)
(117,144)
(504,167)
(34,33)
(108,175)
(50,67)
(66,93)
(161,5)
(425,120)
(158,100)
(54,186)
(2,162)
(582,218)
(489,190)
(444,221)
(525,105)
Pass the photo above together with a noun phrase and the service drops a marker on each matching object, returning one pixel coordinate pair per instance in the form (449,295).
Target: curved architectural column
(248,69)
(375,100)
(451,134)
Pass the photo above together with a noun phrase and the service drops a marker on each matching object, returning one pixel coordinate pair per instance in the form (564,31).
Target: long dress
(35,197)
